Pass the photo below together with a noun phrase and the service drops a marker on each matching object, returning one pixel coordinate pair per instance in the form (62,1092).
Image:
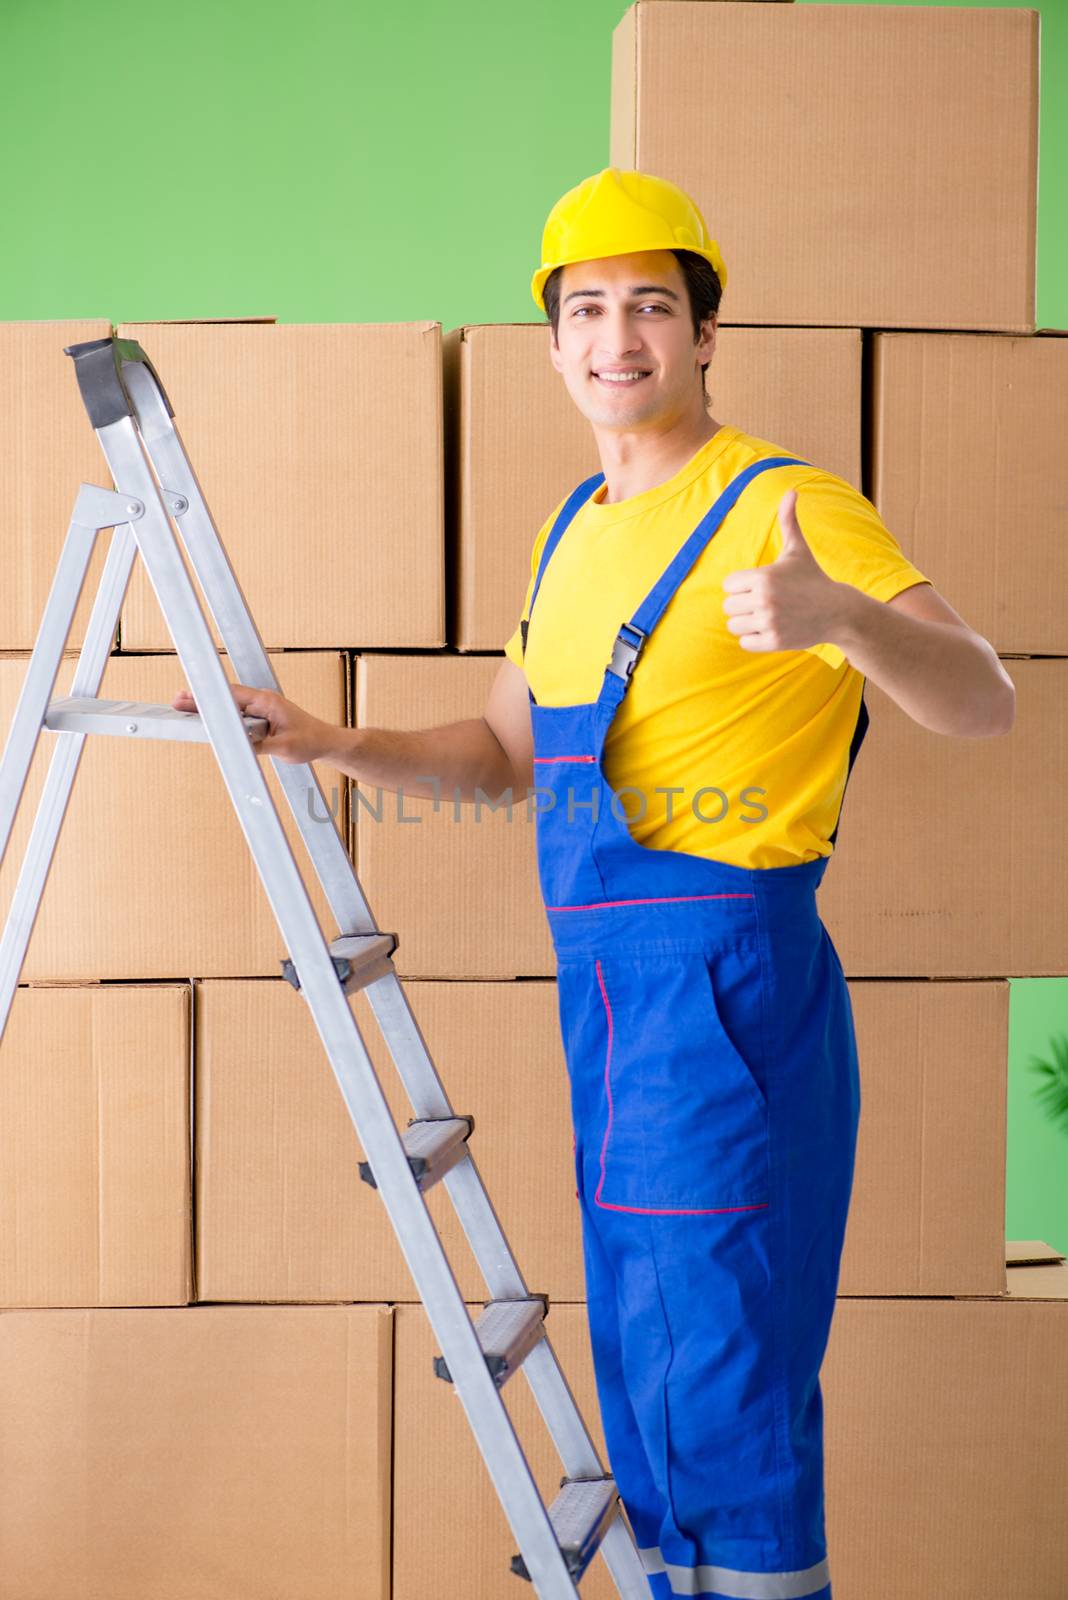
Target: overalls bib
(715,1097)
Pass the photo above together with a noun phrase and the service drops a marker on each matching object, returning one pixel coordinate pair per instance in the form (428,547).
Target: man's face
(630,315)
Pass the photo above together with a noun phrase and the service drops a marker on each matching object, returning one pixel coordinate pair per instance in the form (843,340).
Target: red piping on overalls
(653,900)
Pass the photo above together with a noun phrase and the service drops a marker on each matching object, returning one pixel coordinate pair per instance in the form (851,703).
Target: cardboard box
(281,1212)
(944,847)
(152,876)
(223,1452)
(830,205)
(969,470)
(927,1216)
(939,839)
(518,443)
(47,451)
(95,1179)
(944,1426)
(318,448)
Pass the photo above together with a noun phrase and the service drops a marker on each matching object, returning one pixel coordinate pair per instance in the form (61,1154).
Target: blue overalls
(715,1096)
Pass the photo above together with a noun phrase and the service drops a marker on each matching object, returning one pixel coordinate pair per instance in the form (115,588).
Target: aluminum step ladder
(157,487)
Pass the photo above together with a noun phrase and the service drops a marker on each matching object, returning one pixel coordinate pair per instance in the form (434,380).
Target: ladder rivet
(131,727)
(135,508)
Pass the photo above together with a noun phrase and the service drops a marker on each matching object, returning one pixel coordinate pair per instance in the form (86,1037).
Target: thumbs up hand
(789,603)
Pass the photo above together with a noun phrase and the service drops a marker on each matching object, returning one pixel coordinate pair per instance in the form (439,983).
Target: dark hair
(702,285)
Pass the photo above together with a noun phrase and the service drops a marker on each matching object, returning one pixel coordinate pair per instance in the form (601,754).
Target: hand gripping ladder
(133,420)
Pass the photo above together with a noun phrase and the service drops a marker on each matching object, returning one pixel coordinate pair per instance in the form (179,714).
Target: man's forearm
(947,678)
(461,758)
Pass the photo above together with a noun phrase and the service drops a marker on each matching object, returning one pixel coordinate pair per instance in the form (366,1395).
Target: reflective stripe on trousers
(715,1098)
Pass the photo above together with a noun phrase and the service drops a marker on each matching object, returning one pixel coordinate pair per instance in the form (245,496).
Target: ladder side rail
(44,665)
(560,1411)
(620,1552)
(42,671)
(578,1452)
(243,644)
(334,1019)
(504,1280)
(500,1270)
(502,1274)
(417,1072)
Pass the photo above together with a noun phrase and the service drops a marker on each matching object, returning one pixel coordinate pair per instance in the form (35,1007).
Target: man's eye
(650,305)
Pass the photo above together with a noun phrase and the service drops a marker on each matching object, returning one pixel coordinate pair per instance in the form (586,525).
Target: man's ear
(554,351)
(706,345)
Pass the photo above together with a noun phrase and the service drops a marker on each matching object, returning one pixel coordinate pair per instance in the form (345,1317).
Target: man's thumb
(793,540)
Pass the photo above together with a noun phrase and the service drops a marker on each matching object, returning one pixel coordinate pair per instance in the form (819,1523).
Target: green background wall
(338,162)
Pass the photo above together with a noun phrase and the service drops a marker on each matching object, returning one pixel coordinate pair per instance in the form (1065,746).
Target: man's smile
(620,376)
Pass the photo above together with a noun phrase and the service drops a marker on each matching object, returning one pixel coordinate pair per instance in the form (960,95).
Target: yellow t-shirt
(754,742)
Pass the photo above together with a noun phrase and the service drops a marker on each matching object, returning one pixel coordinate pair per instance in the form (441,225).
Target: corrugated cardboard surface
(458,884)
(928,1209)
(210,1453)
(281,1212)
(969,470)
(521,443)
(944,1427)
(47,451)
(944,842)
(948,845)
(318,448)
(152,876)
(95,1183)
(832,207)
(1047,1280)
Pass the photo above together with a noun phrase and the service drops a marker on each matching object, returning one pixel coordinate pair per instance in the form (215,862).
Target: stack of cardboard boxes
(216,1375)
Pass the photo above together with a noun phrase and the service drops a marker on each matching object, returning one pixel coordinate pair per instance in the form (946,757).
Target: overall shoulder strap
(633,634)
(575,499)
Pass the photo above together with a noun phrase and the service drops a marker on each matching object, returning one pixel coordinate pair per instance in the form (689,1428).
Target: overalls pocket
(683,1117)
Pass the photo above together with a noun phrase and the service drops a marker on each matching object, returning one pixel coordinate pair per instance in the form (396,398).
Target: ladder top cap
(98,364)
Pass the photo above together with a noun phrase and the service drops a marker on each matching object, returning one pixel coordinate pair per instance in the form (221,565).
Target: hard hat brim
(545,271)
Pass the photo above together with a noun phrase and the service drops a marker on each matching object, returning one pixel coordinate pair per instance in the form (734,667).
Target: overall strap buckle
(625,652)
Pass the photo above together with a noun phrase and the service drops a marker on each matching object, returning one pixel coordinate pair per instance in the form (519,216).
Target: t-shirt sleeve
(851,543)
(513,648)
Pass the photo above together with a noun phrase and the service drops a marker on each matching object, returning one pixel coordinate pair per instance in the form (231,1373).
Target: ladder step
(136,719)
(359,959)
(580,1516)
(507,1331)
(433,1146)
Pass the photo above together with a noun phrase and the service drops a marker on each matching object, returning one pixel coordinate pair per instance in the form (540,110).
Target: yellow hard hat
(615,213)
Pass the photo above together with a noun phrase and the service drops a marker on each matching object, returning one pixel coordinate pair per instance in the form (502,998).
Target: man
(699,623)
